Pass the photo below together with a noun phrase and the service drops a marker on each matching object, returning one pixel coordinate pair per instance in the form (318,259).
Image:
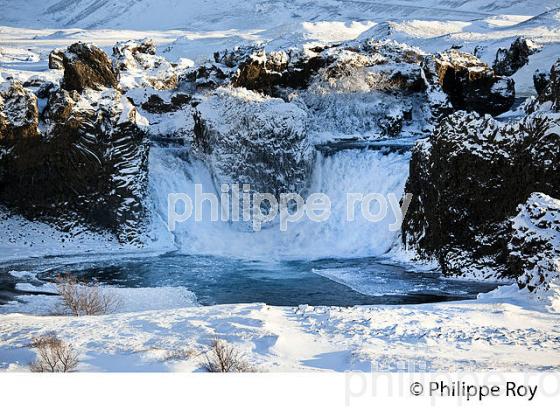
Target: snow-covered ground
(491,334)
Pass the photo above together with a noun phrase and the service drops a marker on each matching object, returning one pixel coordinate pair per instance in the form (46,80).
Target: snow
(126,299)
(197,28)
(483,335)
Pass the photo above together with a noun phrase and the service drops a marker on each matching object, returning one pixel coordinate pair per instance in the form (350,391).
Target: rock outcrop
(534,248)
(256,140)
(139,66)
(265,72)
(508,61)
(87,66)
(19,115)
(470,84)
(56,58)
(87,161)
(548,86)
(467,180)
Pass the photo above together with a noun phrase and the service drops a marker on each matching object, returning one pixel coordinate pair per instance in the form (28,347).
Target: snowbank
(459,336)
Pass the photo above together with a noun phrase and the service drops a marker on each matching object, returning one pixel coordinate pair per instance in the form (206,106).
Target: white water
(349,171)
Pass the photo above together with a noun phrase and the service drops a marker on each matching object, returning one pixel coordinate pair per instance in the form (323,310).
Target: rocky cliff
(83,158)
(472,176)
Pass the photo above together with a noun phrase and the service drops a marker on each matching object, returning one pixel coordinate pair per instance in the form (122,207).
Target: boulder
(87,66)
(140,66)
(508,61)
(56,58)
(60,105)
(547,86)
(19,115)
(470,84)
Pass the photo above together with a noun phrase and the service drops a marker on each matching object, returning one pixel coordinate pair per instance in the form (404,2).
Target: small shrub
(53,355)
(224,358)
(179,354)
(84,299)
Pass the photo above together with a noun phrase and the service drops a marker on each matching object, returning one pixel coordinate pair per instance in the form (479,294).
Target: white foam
(350,171)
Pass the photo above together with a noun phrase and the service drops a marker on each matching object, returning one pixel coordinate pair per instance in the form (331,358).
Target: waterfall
(346,171)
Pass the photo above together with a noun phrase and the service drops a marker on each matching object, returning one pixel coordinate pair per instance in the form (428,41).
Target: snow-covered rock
(18,113)
(88,162)
(139,66)
(56,58)
(508,61)
(252,139)
(534,249)
(470,84)
(467,180)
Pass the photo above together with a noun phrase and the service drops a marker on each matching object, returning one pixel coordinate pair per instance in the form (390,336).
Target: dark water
(335,282)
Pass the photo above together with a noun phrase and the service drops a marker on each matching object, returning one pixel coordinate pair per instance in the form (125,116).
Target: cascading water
(336,262)
(347,171)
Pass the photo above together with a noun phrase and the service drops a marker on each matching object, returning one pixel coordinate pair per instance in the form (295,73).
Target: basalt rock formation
(83,159)
(468,179)
(470,84)
(508,61)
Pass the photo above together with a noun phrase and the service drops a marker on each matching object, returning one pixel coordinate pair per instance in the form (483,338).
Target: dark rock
(470,84)
(207,76)
(392,124)
(156,105)
(87,66)
(541,81)
(19,115)
(88,165)
(479,51)
(508,61)
(467,181)
(45,89)
(548,86)
(34,82)
(265,72)
(56,58)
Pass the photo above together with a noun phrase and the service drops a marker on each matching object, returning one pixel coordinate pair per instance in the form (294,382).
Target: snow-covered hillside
(251,14)
(196,28)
